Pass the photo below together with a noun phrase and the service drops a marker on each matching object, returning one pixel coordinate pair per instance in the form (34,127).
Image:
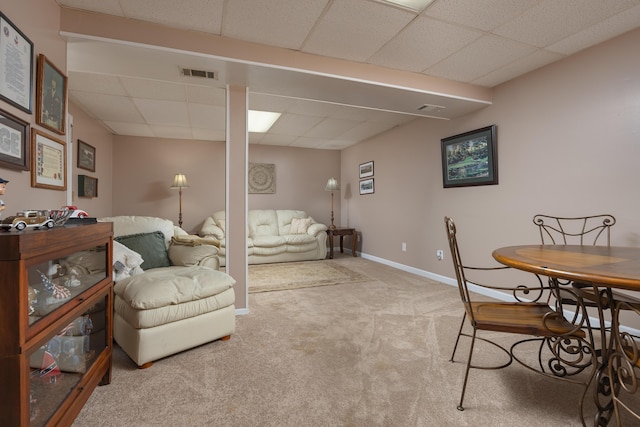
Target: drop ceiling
(142,91)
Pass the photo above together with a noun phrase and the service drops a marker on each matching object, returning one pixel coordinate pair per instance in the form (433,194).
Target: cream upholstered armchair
(169,297)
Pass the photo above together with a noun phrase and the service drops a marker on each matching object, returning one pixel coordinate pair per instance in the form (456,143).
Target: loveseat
(169,297)
(273,236)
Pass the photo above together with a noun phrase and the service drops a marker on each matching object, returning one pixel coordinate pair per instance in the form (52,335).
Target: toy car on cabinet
(24,219)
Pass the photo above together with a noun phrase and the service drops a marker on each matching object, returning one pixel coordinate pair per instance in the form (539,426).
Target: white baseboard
(500,296)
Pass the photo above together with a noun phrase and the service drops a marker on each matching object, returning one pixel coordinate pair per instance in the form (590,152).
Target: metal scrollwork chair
(624,366)
(584,230)
(570,352)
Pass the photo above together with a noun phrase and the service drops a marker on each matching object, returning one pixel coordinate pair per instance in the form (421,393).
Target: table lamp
(180,182)
(332,185)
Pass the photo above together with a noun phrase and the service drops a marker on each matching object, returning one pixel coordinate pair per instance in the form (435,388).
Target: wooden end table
(342,231)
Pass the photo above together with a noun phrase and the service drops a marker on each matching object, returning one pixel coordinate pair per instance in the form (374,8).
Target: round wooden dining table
(603,267)
(609,266)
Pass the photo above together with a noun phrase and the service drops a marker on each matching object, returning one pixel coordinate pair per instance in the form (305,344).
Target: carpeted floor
(296,275)
(372,353)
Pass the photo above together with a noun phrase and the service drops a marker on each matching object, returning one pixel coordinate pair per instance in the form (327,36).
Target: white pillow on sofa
(299,225)
(126,262)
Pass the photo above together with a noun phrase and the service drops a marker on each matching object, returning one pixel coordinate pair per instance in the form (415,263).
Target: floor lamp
(180,182)
(332,185)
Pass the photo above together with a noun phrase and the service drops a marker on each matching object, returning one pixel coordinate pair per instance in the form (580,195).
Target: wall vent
(199,73)
(429,108)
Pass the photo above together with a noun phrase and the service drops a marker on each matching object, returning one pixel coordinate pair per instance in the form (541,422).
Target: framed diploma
(51,96)
(16,72)
(48,161)
(14,142)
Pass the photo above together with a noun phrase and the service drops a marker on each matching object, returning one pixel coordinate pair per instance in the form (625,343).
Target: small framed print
(48,161)
(51,98)
(14,142)
(366,170)
(16,81)
(87,186)
(86,156)
(366,186)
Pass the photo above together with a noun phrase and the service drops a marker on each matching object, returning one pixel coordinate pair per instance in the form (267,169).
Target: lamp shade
(332,185)
(179,181)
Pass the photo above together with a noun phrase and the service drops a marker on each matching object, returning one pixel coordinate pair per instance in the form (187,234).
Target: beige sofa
(273,236)
(169,297)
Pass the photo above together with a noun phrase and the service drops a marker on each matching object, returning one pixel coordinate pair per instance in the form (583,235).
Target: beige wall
(90,132)
(568,143)
(143,171)
(40,24)
(301,175)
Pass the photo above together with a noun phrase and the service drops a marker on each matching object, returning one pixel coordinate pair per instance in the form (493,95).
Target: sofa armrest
(209,228)
(316,228)
(203,255)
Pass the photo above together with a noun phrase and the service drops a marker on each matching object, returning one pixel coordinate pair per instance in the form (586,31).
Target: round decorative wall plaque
(262,178)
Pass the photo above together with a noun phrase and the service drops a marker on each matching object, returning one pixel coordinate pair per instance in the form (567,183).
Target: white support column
(236,191)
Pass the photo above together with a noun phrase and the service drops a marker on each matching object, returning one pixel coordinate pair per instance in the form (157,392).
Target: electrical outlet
(440,254)
(404,247)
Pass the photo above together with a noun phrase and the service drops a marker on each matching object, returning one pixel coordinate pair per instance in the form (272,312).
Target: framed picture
(86,156)
(51,98)
(14,145)
(366,170)
(87,186)
(366,186)
(16,75)
(48,161)
(470,158)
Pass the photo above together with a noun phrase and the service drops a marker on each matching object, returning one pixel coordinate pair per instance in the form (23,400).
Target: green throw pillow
(150,246)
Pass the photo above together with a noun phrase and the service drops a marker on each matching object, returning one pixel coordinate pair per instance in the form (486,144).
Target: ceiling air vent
(199,73)
(428,108)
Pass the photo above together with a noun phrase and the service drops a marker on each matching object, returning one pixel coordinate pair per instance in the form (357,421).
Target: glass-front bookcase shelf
(55,321)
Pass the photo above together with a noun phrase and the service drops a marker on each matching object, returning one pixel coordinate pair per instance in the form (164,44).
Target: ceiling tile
(602,31)
(551,20)
(153,89)
(168,113)
(294,124)
(109,107)
(282,23)
(535,60)
(273,139)
(207,116)
(177,132)
(133,129)
(206,95)
(209,134)
(484,15)
(307,142)
(199,15)
(98,83)
(331,128)
(356,29)
(111,7)
(423,43)
(487,54)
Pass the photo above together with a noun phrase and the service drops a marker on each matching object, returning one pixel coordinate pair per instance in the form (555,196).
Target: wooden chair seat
(536,319)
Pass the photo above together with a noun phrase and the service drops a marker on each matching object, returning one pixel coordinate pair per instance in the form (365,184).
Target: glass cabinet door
(58,365)
(52,283)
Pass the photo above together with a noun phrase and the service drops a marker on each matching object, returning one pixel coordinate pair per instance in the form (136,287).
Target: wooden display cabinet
(56,305)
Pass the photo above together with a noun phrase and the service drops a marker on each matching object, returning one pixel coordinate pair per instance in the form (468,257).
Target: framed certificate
(48,161)
(14,142)
(16,72)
